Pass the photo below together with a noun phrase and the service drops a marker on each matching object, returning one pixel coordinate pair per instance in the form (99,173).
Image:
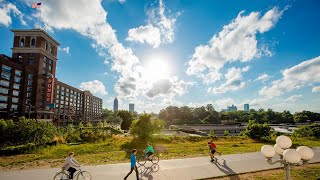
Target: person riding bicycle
(71,165)
(149,151)
(212,149)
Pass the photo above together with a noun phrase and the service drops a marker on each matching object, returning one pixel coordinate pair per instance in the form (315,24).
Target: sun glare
(156,69)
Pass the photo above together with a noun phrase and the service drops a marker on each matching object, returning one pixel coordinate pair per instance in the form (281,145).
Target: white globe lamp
(268,151)
(278,149)
(284,142)
(291,156)
(305,152)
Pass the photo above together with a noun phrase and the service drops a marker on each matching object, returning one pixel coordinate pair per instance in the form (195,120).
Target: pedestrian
(212,150)
(133,164)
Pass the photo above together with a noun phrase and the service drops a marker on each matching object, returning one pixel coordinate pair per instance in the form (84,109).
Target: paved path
(176,169)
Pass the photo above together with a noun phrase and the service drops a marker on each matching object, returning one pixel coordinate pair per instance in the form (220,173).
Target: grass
(310,172)
(117,149)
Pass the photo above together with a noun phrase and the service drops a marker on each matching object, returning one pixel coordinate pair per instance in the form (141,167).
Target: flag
(36,5)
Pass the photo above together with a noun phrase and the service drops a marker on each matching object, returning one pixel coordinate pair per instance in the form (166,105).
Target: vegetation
(311,172)
(207,114)
(127,118)
(309,131)
(258,131)
(145,127)
(116,149)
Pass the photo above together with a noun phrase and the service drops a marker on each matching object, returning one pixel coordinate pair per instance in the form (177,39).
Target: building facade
(232,108)
(28,86)
(131,108)
(246,107)
(115,105)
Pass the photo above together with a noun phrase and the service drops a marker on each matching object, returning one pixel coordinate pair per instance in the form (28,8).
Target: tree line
(208,115)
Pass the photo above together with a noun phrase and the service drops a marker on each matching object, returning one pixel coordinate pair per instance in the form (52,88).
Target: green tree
(226,133)
(145,127)
(310,131)
(127,118)
(258,131)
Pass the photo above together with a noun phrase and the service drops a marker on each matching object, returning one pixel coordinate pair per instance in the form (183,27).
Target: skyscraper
(232,108)
(246,107)
(131,108)
(115,104)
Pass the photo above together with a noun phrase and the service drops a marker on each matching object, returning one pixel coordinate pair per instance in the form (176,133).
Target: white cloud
(263,77)
(160,28)
(95,87)
(122,1)
(294,78)
(168,88)
(223,103)
(65,49)
(293,98)
(316,89)
(236,42)
(145,34)
(233,83)
(6,9)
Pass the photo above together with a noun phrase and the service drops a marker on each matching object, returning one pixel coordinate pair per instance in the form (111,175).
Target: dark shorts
(149,153)
(213,151)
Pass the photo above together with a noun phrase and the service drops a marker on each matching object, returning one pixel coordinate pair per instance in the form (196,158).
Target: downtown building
(28,86)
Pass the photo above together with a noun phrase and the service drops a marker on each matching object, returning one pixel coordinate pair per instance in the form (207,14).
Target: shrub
(144,127)
(258,131)
(310,131)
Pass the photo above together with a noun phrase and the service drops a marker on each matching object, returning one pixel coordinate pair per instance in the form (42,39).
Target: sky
(159,53)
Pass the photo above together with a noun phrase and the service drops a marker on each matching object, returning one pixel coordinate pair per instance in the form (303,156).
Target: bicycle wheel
(84,175)
(61,176)
(155,159)
(155,167)
(142,160)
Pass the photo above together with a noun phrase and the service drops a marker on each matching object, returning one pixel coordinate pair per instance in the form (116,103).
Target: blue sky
(181,52)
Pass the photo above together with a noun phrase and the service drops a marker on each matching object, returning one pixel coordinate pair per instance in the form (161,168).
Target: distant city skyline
(163,53)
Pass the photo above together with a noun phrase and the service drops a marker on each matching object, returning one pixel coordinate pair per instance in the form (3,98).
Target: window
(22,42)
(62,88)
(51,49)
(14,106)
(46,46)
(57,101)
(44,71)
(15,93)
(6,69)
(50,67)
(44,65)
(18,73)
(17,79)
(67,90)
(61,102)
(51,62)
(3,106)
(15,100)
(30,76)
(29,89)
(28,95)
(4,98)
(67,94)
(5,76)
(16,86)
(58,87)
(4,83)
(30,83)
(33,42)
(4,90)
(31,61)
(62,93)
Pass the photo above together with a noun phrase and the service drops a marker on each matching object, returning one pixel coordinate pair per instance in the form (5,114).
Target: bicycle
(144,158)
(79,175)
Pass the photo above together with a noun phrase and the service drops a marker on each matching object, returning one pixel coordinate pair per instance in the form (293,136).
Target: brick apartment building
(28,86)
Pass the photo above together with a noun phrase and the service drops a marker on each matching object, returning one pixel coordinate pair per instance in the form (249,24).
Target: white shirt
(70,162)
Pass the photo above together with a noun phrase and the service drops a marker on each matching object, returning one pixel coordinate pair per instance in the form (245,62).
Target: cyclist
(71,165)
(133,164)
(149,151)
(212,149)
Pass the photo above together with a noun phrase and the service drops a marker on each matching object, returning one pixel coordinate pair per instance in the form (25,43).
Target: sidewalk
(174,169)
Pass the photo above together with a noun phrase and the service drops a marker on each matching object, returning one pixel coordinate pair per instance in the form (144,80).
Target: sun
(156,68)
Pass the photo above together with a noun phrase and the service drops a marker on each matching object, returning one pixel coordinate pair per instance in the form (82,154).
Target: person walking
(133,164)
(212,150)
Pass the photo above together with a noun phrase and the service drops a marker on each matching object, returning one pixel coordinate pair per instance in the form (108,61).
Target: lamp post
(288,157)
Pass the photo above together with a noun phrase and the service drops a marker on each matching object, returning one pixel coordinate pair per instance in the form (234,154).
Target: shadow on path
(146,172)
(226,169)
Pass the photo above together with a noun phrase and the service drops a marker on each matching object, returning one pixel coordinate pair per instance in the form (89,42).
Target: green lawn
(117,149)
(309,172)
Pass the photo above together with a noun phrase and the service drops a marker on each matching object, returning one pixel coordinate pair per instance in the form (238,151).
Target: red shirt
(212,145)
